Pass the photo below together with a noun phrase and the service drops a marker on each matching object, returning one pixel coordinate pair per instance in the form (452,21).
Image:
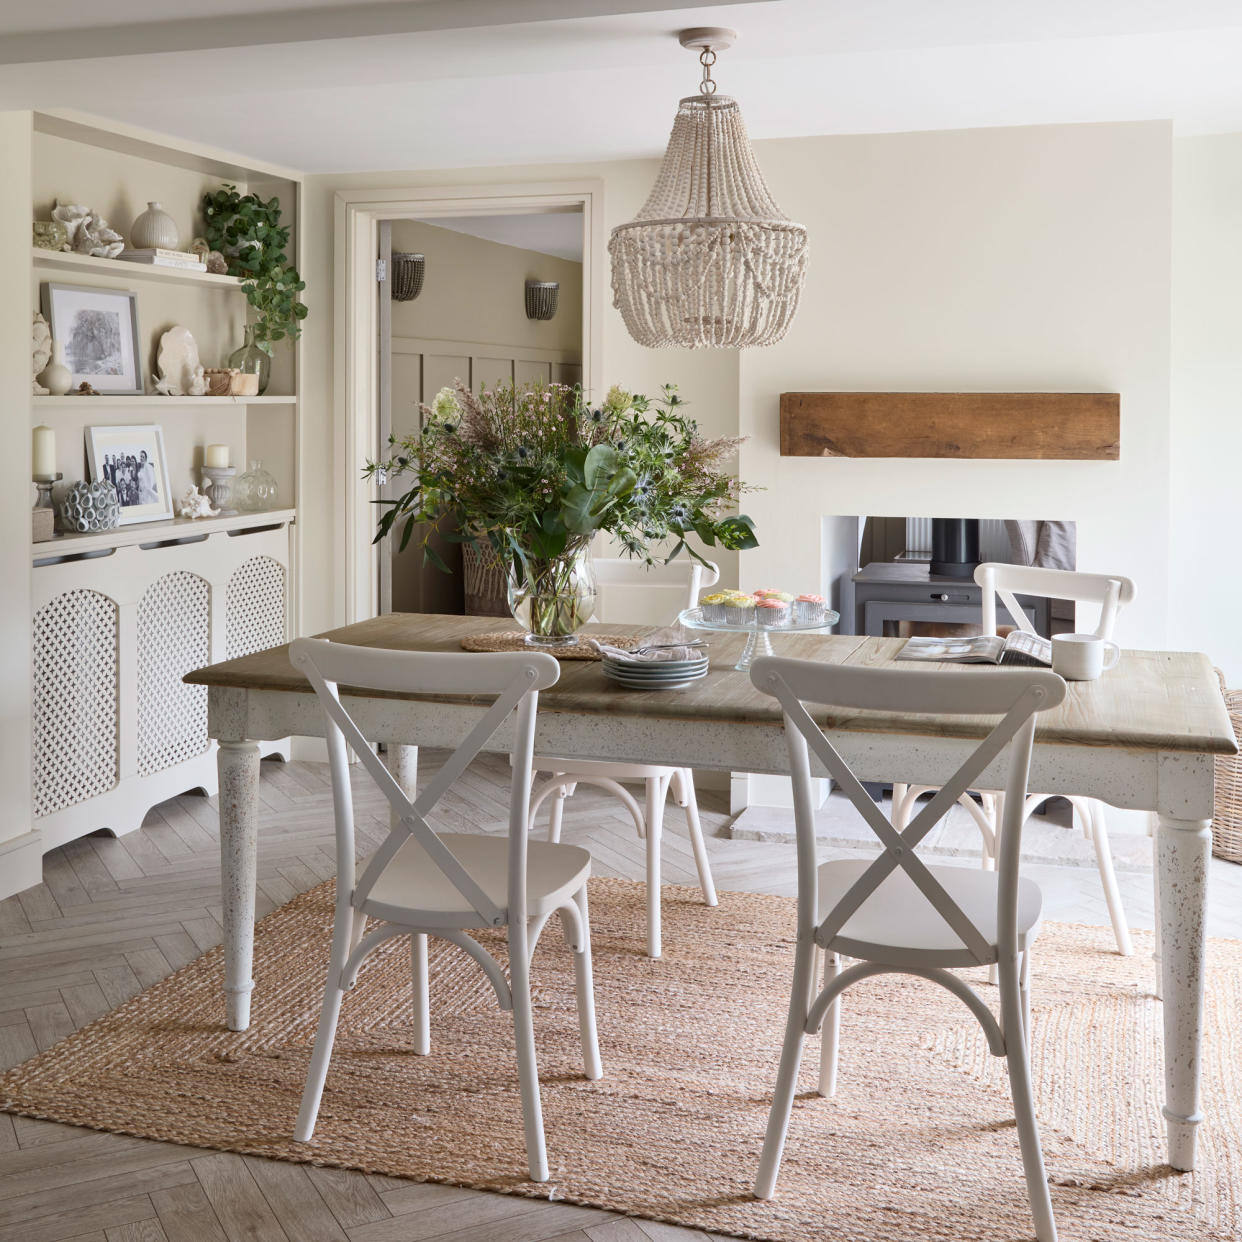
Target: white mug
(1081,657)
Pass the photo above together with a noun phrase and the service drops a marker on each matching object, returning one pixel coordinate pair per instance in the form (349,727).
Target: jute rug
(918,1144)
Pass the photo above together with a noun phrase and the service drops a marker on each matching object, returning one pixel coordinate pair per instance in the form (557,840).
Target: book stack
(157,256)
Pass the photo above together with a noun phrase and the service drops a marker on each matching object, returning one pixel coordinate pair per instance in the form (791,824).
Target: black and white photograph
(132,460)
(98,329)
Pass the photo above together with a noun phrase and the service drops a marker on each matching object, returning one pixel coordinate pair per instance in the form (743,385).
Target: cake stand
(758,641)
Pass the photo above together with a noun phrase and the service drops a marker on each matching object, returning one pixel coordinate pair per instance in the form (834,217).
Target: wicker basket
(1227,822)
(485,587)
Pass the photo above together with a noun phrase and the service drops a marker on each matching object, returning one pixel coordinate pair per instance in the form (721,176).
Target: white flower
(444,404)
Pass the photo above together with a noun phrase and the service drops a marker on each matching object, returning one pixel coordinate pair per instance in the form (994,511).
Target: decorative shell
(195,504)
(90,507)
(40,352)
(88,233)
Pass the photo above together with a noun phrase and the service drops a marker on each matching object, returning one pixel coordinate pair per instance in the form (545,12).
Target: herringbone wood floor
(115,915)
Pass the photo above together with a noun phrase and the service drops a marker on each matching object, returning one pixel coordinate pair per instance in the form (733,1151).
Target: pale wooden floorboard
(115,915)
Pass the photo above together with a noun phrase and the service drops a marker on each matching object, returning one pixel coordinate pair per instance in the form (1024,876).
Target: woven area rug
(918,1144)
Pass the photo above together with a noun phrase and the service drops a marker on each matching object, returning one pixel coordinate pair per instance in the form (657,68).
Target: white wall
(1205,587)
(20,851)
(997,259)
(1000,259)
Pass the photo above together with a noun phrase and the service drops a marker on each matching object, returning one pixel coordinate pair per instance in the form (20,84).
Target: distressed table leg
(402,762)
(1182,850)
(238,764)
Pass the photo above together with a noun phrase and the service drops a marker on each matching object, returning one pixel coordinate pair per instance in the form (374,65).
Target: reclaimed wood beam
(1057,426)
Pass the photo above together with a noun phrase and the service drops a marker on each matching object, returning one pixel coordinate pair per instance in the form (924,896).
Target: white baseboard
(21,863)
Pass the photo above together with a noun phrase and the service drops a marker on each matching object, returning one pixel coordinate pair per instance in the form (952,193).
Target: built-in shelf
(61,261)
(153,532)
(105,400)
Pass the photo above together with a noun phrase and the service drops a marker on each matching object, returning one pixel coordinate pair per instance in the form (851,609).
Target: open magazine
(1017,647)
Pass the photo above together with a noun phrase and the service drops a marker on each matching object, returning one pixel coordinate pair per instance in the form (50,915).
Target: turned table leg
(238,764)
(1183,847)
(402,762)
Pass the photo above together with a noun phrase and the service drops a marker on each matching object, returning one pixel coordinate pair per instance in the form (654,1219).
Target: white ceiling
(558,233)
(355,85)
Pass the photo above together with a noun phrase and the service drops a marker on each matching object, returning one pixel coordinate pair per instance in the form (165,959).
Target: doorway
(479,301)
(468,322)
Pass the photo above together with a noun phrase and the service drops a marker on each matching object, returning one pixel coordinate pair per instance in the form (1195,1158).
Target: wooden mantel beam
(1060,426)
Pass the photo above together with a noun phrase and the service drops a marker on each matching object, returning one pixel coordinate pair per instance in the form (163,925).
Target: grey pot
(154,229)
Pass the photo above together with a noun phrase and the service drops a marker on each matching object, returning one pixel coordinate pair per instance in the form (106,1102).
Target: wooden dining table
(1144,736)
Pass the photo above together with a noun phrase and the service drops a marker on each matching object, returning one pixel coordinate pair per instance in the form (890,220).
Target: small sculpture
(200,248)
(40,352)
(180,373)
(84,389)
(195,504)
(217,263)
(88,233)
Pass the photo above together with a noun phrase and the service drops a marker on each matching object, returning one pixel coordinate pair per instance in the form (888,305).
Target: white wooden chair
(1110,592)
(422,883)
(568,774)
(895,914)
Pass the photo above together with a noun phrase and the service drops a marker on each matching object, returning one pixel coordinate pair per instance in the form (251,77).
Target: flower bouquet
(531,474)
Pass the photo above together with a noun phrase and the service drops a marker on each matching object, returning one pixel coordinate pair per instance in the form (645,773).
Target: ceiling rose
(710,261)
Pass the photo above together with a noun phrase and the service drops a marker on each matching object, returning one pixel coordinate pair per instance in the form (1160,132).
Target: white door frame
(358,213)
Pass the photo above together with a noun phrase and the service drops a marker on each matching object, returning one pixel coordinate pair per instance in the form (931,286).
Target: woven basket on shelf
(1227,821)
(485,587)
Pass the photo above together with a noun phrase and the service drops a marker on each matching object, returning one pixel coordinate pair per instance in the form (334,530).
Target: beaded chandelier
(710,261)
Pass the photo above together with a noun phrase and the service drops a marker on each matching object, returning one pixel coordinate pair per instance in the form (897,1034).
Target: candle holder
(44,483)
(220,480)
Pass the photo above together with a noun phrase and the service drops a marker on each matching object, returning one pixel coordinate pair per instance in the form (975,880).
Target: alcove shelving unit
(118,617)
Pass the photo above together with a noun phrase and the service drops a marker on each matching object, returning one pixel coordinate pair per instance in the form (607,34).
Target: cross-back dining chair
(895,913)
(568,774)
(1110,593)
(421,882)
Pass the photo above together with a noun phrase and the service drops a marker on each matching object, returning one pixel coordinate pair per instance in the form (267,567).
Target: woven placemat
(515,640)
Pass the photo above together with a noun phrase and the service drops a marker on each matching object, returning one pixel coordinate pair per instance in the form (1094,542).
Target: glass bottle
(252,360)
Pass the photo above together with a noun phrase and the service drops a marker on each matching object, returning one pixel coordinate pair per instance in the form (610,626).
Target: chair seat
(599,767)
(412,889)
(897,925)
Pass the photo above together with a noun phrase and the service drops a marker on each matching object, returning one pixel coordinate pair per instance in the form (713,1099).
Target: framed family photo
(98,330)
(132,460)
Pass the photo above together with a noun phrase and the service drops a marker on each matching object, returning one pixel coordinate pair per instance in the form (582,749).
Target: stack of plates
(656,674)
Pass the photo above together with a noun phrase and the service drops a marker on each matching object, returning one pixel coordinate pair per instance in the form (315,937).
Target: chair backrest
(1110,591)
(514,679)
(1013,695)
(634,592)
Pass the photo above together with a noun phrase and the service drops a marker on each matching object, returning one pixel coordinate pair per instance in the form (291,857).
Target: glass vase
(552,598)
(251,360)
(255,491)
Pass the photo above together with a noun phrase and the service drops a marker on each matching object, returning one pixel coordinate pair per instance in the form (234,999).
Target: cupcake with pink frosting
(811,609)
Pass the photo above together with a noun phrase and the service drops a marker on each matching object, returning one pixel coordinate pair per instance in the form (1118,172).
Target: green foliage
(247,231)
(533,472)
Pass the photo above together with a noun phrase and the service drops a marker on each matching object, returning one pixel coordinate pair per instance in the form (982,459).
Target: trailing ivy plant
(247,231)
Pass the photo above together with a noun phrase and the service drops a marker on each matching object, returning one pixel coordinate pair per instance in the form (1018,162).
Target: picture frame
(98,330)
(132,460)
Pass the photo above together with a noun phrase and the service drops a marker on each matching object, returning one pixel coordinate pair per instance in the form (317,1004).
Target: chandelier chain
(707,58)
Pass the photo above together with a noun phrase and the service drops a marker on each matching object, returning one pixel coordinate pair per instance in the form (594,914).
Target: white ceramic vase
(56,377)
(154,228)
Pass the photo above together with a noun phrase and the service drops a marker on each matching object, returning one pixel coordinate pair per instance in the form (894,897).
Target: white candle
(216,456)
(43,453)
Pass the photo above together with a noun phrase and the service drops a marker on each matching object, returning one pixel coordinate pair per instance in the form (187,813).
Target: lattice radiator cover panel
(75,699)
(256,607)
(174,637)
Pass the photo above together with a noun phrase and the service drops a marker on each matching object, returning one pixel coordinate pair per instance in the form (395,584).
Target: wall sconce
(541,296)
(407,275)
